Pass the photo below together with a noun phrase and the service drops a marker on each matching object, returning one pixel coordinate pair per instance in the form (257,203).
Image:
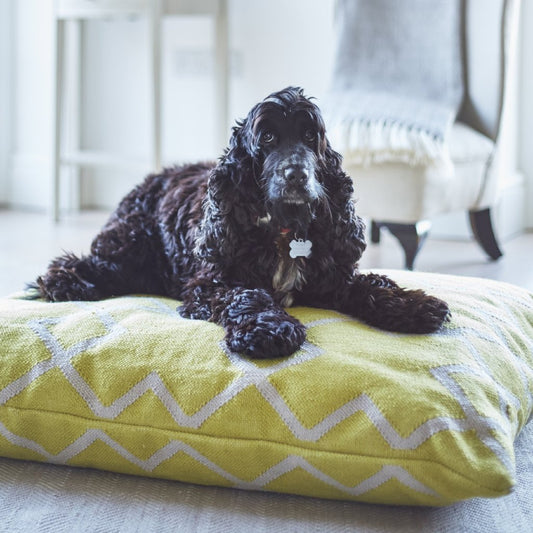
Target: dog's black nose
(295,175)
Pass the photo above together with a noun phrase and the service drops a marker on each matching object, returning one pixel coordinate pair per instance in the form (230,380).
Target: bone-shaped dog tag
(300,248)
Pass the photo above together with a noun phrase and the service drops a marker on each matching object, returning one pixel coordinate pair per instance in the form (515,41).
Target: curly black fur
(217,237)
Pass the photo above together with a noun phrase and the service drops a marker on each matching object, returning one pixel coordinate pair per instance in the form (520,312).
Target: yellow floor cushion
(128,385)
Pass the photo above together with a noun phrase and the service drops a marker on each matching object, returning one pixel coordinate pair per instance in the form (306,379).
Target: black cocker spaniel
(271,225)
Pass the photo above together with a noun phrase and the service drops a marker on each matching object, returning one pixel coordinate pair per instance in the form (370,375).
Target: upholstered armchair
(404,196)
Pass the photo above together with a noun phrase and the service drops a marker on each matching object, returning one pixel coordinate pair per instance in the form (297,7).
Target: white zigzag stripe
(360,404)
(290,463)
(497,337)
(385,474)
(525,371)
(253,375)
(60,357)
(483,426)
(126,303)
(363,404)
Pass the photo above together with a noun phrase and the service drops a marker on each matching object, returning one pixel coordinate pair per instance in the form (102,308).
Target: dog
(270,225)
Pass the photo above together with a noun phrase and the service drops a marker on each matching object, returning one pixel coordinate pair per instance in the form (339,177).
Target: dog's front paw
(406,311)
(267,334)
(421,313)
(433,313)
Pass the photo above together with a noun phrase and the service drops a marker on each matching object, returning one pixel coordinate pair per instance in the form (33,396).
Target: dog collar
(298,247)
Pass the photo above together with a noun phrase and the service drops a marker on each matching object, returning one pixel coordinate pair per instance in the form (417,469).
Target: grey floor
(29,240)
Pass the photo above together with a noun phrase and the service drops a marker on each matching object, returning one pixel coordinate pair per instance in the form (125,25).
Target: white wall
(5,96)
(29,162)
(282,43)
(115,104)
(274,44)
(525,131)
(510,214)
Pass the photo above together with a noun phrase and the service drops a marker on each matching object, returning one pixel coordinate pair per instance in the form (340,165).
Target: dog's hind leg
(380,302)
(78,278)
(123,260)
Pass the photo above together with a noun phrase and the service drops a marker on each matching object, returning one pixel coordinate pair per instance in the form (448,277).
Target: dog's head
(279,172)
(285,137)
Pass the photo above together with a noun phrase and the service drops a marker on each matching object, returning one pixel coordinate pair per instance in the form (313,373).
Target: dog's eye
(267,137)
(309,135)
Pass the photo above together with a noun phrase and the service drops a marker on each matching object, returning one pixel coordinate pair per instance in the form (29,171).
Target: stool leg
(411,237)
(155,68)
(481,224)
(222,75)
(57,103)
(374,232)
(71,125)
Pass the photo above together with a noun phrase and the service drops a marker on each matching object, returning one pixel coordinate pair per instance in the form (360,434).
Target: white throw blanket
(397,83)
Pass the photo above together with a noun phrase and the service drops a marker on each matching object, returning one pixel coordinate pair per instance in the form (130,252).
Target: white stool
(72,13)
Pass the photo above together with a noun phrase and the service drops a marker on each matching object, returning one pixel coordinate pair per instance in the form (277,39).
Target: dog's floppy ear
(217,236)
(242,152)
(237,146)
(331,158)
(347,237)
(243,141)
(230,204)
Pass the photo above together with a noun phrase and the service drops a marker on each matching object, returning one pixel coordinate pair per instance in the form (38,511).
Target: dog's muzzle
(293,191)
(290,176)
(298,185)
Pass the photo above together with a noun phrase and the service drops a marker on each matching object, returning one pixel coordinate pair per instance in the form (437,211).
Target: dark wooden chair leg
(374,232)
(411,237)
(481,224)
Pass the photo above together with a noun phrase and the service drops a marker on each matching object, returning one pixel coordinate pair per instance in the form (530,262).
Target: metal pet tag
(300,248)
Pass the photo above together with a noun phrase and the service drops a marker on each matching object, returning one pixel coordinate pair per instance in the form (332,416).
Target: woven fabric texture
(127,385)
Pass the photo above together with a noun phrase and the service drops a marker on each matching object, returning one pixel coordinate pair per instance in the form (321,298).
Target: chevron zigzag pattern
(287,465)
(355,414)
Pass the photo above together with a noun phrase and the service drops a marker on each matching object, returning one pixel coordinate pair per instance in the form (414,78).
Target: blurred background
(270,44)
